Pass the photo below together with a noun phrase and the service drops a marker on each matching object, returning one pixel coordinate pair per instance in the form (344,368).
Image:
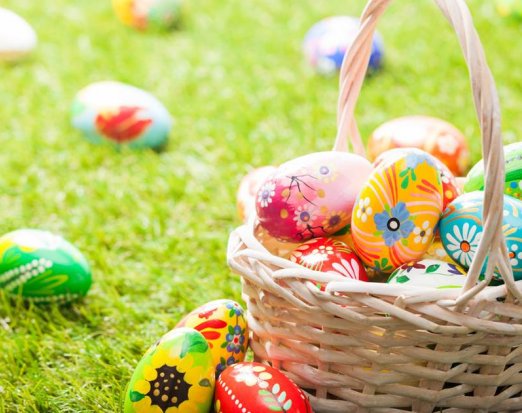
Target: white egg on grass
(17,37)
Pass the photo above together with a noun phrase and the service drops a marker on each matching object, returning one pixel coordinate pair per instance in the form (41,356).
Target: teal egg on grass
(122,115)
(42,267)
(461,229)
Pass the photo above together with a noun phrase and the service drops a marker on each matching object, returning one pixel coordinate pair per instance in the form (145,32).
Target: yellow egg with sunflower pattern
(176,375)
(224,326)
(396,212)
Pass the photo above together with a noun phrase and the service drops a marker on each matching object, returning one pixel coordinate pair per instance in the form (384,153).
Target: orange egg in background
(433,135)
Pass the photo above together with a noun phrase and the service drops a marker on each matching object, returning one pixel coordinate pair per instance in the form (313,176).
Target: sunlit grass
(155,227)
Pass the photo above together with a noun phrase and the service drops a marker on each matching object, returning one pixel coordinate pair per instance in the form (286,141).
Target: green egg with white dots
(42,267)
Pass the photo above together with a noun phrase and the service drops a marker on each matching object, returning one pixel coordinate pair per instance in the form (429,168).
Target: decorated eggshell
(42,267)
(397,211)
(258,388)
(311,196)
(435,136)
(329,255)
(175,374)
(148,14)
(513,168)
(436,251)
(121,115)
(223,324)
(429,273)
(461,229)
(450,187)
(509,8)
(248,188)
(326,43)
(17,37)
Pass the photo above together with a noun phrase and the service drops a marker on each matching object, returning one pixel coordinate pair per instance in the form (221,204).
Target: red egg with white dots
(258,388)
(329,255)
(450,187)
(311,196)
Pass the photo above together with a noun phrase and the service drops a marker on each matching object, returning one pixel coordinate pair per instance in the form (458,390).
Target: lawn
(155,226)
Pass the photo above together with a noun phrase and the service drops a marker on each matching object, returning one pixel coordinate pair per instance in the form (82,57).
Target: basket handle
(353,71)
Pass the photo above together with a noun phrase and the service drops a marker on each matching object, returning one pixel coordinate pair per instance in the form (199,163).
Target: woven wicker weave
(370,347)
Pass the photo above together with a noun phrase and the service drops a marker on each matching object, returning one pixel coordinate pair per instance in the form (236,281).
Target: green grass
(155,227)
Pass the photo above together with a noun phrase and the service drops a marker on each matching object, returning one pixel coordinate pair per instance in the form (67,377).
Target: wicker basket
(371,347)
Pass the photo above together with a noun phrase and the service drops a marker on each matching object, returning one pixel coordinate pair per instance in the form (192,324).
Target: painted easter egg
(258,388)
(223,324)
(513,168)
(429,273)
(435,136)
(326,43)
(450,187)
(42,267)
(329,255)
(17,37)
(397,211)
(121,115)
(436,251)
(311,196)
(461,229)
(248,188)
(149,14)
(510,8)
(176,374)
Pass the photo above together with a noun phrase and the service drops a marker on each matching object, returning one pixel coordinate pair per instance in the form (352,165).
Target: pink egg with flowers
(329,255)
(311,196)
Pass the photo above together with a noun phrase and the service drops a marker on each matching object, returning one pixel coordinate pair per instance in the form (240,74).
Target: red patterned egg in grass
(329,255)
(258,388)
(311,196)
(450,187)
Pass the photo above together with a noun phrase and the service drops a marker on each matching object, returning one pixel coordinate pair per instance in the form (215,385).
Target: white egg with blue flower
(461,229)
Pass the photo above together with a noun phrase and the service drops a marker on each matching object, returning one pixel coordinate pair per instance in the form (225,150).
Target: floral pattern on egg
(329,256)
(248,189)
(397,212)
(461,230)
(450,187)
(174,375)
(224,326)
(311,196)
(258,388)
(429,273)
